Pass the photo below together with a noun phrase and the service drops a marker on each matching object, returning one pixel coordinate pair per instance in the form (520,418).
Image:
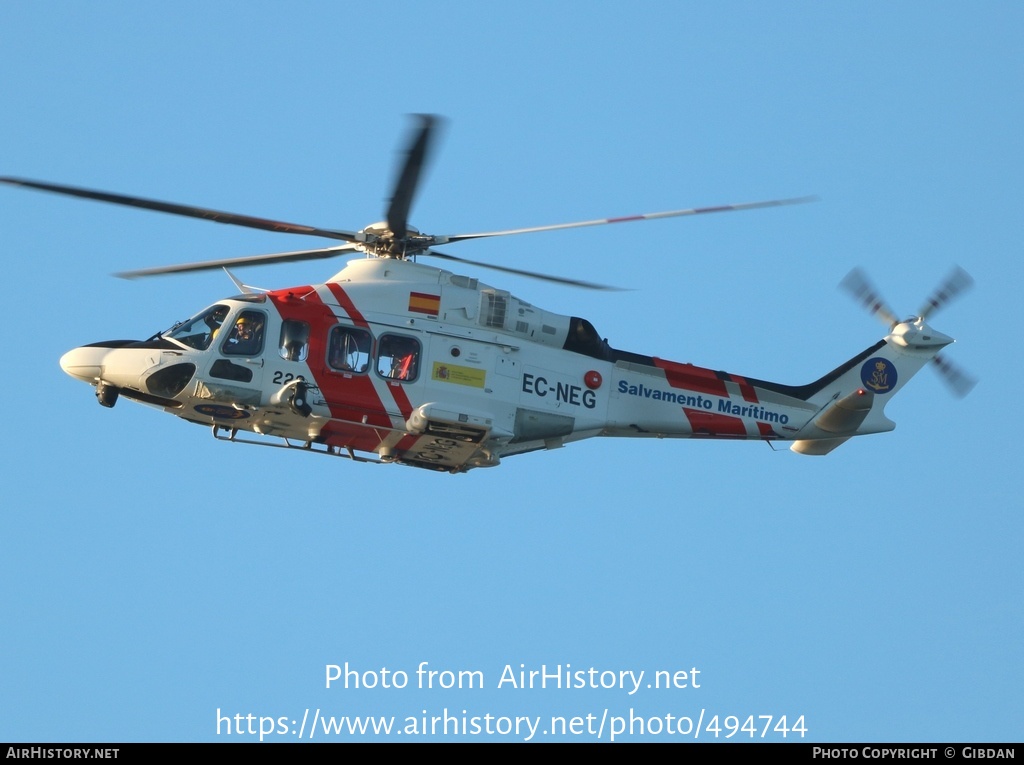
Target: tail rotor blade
(958,281)
(857,284)
(959,381)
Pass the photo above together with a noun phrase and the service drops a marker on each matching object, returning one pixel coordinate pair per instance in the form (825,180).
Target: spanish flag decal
(421,302)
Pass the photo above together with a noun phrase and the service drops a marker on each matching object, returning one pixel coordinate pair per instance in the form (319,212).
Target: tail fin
(852,398)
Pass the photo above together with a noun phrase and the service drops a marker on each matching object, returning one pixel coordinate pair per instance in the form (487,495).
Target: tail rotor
(958,281)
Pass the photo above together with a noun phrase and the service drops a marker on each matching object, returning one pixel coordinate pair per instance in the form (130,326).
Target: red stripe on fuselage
(396,390)
(715,425)
(401,398)
(748,391)
(349,397)
(349,436)
(689,377)
(346,302)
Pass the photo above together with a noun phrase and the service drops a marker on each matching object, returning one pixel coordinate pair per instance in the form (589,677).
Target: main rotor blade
(189,211)
(958,281)
(857,284)
(529,274)
(251,260)
(630,218)
(408,178)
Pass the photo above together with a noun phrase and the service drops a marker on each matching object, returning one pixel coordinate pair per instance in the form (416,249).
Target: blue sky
(153,576)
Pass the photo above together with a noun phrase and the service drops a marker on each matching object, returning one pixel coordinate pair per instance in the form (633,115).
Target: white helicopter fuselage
(416,365)
(402,362)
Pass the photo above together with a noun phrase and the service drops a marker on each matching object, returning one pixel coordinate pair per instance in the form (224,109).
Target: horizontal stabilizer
(817,447)
(835,423)
(846,414)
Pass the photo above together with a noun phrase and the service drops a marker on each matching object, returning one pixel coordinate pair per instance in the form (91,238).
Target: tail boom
(673,400)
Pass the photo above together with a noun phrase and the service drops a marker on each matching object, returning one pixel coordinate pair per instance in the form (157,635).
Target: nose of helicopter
(84,363)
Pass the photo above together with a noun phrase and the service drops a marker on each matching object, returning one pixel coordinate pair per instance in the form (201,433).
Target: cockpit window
(246,337)
(199,332)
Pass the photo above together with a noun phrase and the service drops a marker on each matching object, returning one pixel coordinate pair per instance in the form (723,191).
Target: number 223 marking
(282,378)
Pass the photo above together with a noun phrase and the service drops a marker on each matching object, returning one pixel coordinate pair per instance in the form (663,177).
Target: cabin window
(349,349)
(294,340)
(246,336)
(199,332)
(398,357)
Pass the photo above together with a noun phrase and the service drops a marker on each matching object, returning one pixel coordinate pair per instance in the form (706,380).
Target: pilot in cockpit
(245,336)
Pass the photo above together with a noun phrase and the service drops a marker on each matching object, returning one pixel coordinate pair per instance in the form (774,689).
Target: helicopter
(395,361)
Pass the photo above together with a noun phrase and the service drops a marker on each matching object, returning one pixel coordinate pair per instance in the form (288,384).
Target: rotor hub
(915,333)
(379,241)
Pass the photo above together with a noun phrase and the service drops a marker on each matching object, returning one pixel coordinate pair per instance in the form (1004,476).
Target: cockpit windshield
(200,331)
